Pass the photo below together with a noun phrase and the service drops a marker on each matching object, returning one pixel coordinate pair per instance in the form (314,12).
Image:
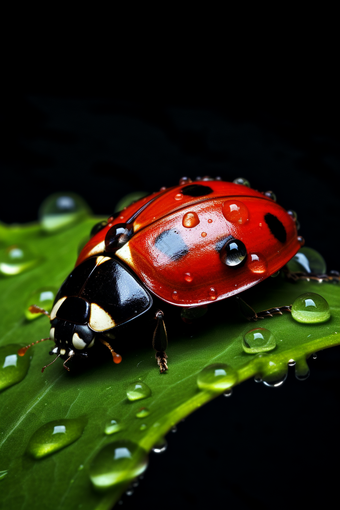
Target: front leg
(160,342)
(249,313)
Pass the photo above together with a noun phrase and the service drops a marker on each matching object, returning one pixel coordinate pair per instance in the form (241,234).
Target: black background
(262,447)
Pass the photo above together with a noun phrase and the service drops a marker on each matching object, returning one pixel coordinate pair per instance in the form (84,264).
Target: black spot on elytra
(196,190)
(276,227)
(171,244)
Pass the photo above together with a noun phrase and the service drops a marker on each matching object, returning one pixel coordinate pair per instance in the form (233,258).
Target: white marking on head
(99,319)
(101,260)
(52,331)
(55,350)
(56,307)
(62,352)
(78,342)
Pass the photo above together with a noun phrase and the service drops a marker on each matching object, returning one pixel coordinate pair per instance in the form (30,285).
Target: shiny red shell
(175,248)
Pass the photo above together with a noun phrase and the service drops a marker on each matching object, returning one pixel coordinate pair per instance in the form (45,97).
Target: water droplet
(129,491)
(143,412)
(228,393)
(179,196)
(270,194)
(3,474)
(204,234)
(310,308)
(112,426)
(117,462)
(17,259)
(184,180)
(301,369)
(61,210)
(314,355)
(308,261)
(258,340)
(235,212)
(301,240)
(274,374)
(241,180)
(216,377)
(212,293)
(188,278)
(43,298)
(175,295)
(291,363)
(13,367)
(138,390)
(54,436)
(174,429)
(210,221)
(160,446)
(257,263)
(190,220)
(143,426)
(292,214)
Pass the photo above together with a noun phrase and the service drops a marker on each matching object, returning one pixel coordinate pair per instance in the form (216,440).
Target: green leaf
(92,397)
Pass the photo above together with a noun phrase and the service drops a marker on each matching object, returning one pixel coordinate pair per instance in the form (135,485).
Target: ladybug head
(70,339)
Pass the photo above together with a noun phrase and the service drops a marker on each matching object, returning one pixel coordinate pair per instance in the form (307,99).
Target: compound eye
(98,227)
(233,253)
(117,236)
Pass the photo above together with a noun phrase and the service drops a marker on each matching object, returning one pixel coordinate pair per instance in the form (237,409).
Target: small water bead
(17,259)
(175,295)
(271,195)
(241,180)
(160,446)
(212,293)
(190,219)
(228,393)
(120,461)
(54,436)
(216,377)
(13,367)
(112,426)
(188,277)
(43,298)
(235,212)
(138,390)
(184,180)
(179,196)
(302,369)
(257,263)
(258,340)
(143,412)
(307,260)
(276,379)
(61,210)
(310,308)
(203,234)
(143,426)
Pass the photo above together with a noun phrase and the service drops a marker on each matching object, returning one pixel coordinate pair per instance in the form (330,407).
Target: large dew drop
(307,260)
(137,391)
(17,259)
(310,308)
(120,461)
(13,367)
(43,298)
(216,377)
(258,340)
(61,210)
(54,436)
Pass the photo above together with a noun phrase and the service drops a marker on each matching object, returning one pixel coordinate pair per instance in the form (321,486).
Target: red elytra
(180,231)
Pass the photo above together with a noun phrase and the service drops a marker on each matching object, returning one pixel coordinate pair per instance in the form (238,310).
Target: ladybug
(188,245)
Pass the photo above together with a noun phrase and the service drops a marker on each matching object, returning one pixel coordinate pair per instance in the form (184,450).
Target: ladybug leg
(116,357)
(331,277)
(251,315)
(160,342)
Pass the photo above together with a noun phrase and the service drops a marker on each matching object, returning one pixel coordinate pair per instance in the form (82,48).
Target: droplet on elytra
(258,340)
(120,461)
(13,367)
(307,260)
(143,412)
(54,436)
(310,308)
(3,473)
(203,234)
(160,446)
(60,210)
(17,259)
(179,196)
(138,390)
(301,369)
(241,180)
(175,295)
(190,219)
(112,426)
(188,277)
(257,263)
(235,212)
(43,298)
(216,377)
(270,194)
(184,180)
(212,293)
